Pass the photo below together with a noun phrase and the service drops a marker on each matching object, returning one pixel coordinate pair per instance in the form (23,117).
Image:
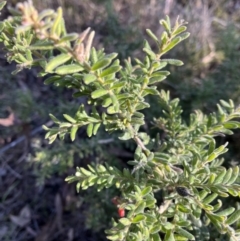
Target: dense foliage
(182,161)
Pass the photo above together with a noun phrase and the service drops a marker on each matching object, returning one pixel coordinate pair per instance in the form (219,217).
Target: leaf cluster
(183,163)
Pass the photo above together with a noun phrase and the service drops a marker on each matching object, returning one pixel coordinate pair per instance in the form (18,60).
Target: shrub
(180,162)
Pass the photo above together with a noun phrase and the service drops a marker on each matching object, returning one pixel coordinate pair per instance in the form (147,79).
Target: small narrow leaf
(233,218)
(220,177)
(155,229)
(110,70)
(90,129)
(210,198)
(226,212)
(150,53)
(99,93)
(69,37)
(125,221)
(95,128)
(73,132)
(138,218)
(140,207)
(234,176)
(100,64)
(69,69)
(56,61)
(69,118)
(156,79)
(51,79)
(180,30)
(185,233)
(146,191)
(2,4)
(89,78)
(152,35)
(173,43)
(173,61)
(155,237)
(57,22)
(169,236)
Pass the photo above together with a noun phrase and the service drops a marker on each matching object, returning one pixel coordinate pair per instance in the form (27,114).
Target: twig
(22,138)
(140,143)
(17,175)
(105,141)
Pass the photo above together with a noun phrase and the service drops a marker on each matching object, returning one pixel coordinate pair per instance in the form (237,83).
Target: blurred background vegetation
(35,202)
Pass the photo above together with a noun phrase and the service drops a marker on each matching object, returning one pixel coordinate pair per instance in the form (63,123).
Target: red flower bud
(121,212)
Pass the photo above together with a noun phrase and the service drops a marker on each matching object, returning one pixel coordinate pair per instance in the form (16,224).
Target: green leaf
(150,53)
(185,233)
(157,65)
(233,218)
(180,237)
(89,78)
(110,70)
(220,177)
(173,61)
(57,22)
(151,91)
(107,102)
(99,93)
(125,221)
(2,4)
(56,61)
(95,128)
(114,237)
(168,226)
(146,191)
(73,132)
(184,36)
(69,37)
(69,69)
(152,35)
(156,79)
(90,129)
(165,24)
(140,207)
(179,30)
(211,147)
(227,176)
(150,203)
(211,157)
(125,136)
(214,218)
(118,85)
(173,43)
(155,237)
(169,236)
(183,208)
(183,223)
(78,186)
(155,229)
(212,178)
(85,172)
(150,218)
(54,119)
(51,79)
(234,176)
(111,110)
(100,64)
(142,105)
(231,125)
(226,212)
(138,218)
(69,118)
